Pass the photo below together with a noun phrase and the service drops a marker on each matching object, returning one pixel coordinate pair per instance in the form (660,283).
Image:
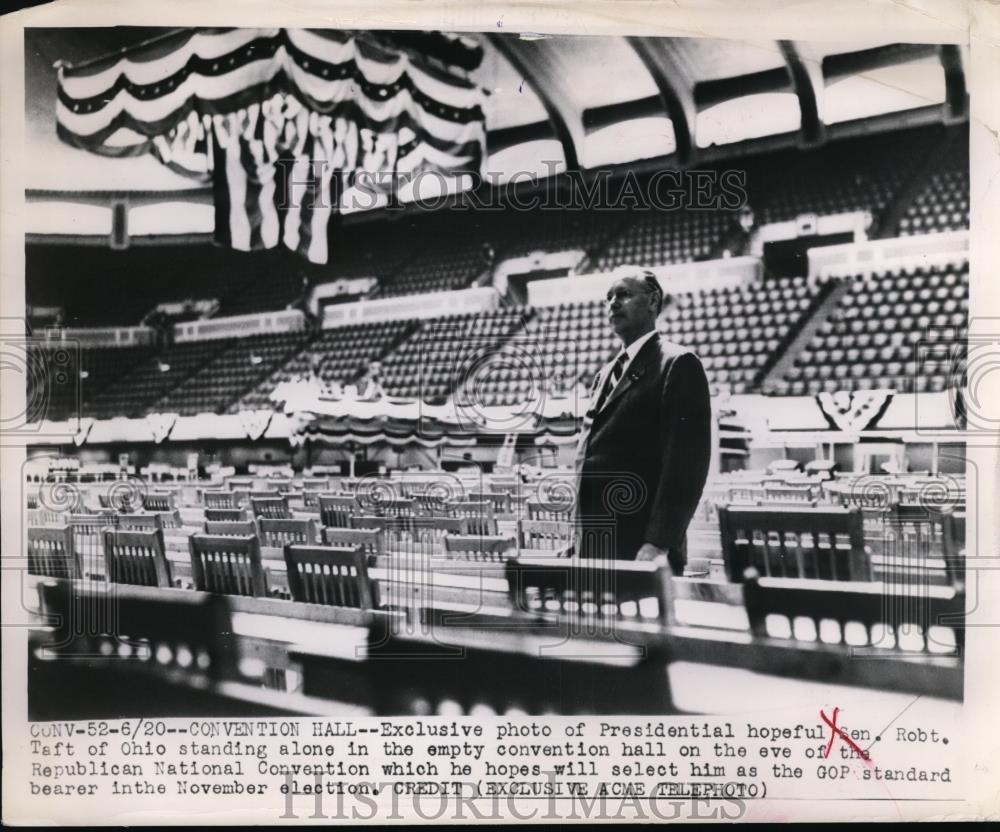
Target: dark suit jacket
(643,461)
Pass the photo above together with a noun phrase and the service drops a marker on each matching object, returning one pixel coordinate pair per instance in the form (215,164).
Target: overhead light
(163,367)
(256,359)
(532,36)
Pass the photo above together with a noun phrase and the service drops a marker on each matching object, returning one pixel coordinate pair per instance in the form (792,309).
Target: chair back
(138,522)
(159,501)
(555,510)
(478,515)
(897,618)
(228,565)
(336,510)
(402,676)
(371,541)
(51,553)
(825,544)
(219,499)
(593,591)
(135,557)
(544,534)
(330,575)
(225,515)
(162,633)
(279,533)
(231,528)
(271,508)
(479,547)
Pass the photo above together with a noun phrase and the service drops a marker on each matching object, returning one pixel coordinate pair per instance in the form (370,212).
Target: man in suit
(644,452)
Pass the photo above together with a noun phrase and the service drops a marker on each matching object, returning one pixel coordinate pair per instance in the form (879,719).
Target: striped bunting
(281,121)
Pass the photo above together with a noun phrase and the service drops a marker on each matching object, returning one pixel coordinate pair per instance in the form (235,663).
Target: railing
(927,250)
(707,275)
(429,305)
(110,336)
(240,326)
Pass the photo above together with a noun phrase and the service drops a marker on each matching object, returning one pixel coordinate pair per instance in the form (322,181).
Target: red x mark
(837,732)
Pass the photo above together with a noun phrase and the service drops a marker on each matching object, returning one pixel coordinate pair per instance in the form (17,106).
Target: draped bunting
(854,411)
(282,121)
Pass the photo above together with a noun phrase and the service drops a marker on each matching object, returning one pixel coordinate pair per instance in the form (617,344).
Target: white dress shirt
(632,350)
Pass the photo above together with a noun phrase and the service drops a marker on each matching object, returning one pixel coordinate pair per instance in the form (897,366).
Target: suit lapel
(636,370)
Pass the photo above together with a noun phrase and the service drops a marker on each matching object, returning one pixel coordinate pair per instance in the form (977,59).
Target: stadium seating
(657,238)
(135,392)
(867,173)
(445,351)
(736,331)
(895,330)
(342,354)
(229,374)
(71,379)
(943,203)
(559,347)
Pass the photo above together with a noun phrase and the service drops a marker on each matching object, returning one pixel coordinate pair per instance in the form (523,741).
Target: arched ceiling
(579,102)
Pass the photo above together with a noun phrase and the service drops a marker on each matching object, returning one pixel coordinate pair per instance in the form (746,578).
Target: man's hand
(652,553)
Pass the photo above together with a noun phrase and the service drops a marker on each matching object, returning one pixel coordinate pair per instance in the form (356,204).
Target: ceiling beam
(865,60)
(808,88)
(505,137)
(527,58)
(956,100)
(674,91)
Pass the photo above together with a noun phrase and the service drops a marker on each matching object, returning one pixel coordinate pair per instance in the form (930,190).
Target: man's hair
(646,277)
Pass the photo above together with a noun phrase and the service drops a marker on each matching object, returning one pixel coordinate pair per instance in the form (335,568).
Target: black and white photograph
(619,389)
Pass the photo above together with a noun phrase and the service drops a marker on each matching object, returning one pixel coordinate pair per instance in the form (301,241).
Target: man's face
(631,308)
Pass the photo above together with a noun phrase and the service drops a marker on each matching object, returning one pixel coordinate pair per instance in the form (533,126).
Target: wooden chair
(231,528)
(159,501)
(371,541)
(135,557)
(279,533)
(544,534)
(88,540)
(40,517)
(227,565)
(953,547)
(479,547)
(330,575)
(51,553)
(130,651)
(608,592)
(271,508)
(263,493)
(745,495)
(550,511)
(827,544)
(138,522)
(478,515)
(783,493)
(407,676)
(429,533)
(336,510)
(225,515)
(896,619)
(500,500)
(912,540)
(220,499)
(171,519)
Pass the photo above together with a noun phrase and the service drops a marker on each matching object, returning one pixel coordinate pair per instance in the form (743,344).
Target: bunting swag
(281,121)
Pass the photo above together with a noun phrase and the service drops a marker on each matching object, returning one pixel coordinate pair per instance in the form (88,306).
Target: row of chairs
(189,637)
(833,544)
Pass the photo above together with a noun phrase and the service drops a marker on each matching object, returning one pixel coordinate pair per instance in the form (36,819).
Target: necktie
(617,369)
